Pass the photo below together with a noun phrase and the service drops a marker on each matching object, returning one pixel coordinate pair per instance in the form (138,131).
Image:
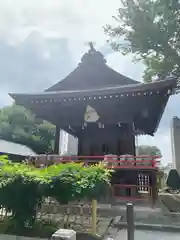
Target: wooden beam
(57,138)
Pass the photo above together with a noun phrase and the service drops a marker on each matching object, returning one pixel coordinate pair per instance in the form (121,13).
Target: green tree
(173,180)
(19,125)
(148,150)
(150,29)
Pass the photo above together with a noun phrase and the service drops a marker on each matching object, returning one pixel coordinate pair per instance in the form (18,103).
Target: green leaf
(149,30)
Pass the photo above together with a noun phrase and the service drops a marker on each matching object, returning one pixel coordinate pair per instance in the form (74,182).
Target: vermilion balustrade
(135,162)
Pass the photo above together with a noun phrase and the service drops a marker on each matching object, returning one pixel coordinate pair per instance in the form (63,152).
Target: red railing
(139,163)
(150,162)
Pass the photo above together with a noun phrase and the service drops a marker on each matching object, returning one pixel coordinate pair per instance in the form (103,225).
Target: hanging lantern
(145,113)
(169,92)
(119,124)
(99,125)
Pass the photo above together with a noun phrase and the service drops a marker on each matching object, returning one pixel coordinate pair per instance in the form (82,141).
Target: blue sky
(42,41)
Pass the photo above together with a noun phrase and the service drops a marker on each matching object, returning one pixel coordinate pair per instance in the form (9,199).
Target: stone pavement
(144,215)
(149,235)
(112,219)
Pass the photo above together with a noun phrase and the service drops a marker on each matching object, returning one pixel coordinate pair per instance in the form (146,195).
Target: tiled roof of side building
(7,147)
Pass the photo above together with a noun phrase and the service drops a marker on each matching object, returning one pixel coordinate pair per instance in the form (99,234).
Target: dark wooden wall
(111,139)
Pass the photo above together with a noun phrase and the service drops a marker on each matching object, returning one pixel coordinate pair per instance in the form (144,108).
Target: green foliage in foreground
(41,229)
(23,187)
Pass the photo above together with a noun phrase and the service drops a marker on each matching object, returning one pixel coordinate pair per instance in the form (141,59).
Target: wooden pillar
(153,183)
(134,144)
(57,138)
(128,140)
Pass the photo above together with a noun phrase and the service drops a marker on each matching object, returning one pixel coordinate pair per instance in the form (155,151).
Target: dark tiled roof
(91,73)
(131,88)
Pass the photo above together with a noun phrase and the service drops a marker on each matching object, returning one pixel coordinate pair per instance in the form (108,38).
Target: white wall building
(68,144)
(175,143)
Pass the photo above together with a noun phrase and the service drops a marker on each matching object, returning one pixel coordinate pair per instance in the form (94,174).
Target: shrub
(173,180)
(22,187)
(19,192)
(73,181)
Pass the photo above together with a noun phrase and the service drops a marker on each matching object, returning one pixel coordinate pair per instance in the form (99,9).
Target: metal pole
(130,221)
(94,216)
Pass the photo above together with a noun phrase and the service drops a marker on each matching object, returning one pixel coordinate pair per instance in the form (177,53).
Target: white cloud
(125,65)
(5,100)
(75,19)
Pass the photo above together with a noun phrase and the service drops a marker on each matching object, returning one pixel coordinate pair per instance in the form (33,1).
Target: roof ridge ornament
(91,45)
(92,56)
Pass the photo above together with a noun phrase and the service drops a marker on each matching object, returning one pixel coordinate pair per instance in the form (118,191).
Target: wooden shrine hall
(102,108)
